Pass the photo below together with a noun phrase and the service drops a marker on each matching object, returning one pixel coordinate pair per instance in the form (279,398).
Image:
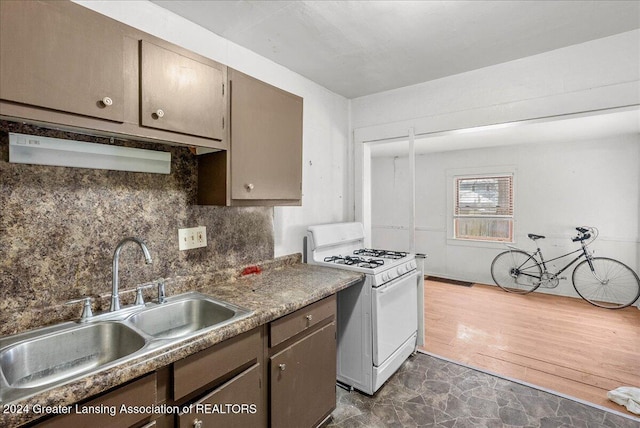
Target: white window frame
(469,173)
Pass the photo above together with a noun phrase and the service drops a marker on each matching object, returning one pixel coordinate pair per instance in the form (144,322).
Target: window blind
(484,208)
(484,196)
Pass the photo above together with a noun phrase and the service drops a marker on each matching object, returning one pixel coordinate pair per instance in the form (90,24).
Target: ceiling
(357,48)
(579,127)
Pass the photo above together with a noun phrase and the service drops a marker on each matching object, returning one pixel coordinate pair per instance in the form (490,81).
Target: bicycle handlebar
(582,229)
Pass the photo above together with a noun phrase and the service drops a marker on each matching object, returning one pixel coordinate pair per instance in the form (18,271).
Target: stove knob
(399,270)
(385,277)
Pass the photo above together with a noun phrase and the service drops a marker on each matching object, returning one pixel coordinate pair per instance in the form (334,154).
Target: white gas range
(378,318)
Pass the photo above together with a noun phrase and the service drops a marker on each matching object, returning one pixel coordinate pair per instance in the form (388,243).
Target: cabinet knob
(282,367)
(309,317)
(159,113)
(249,187)
(106,101)
(197,423)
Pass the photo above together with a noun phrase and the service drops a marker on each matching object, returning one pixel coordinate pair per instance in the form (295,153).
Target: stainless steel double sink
(39,359)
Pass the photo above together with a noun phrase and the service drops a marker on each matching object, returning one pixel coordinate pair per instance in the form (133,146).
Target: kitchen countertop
(284,286)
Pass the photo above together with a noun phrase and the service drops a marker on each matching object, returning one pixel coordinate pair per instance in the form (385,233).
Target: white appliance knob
(249,187)
(399,270)
(160,113)
(107,101)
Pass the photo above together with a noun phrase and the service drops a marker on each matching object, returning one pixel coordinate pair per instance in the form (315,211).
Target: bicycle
(601,281)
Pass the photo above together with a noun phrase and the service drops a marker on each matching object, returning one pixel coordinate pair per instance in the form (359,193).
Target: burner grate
(386,254)
(355,261)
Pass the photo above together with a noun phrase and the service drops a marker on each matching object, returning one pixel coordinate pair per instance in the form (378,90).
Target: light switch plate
(194,237)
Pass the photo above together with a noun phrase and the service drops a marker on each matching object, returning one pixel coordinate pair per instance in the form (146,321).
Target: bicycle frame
(543,263)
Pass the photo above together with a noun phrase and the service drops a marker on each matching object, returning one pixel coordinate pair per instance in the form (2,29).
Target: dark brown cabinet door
(266,141)
(139,395)
(237,403)
(303,380)
(180,94)
(61,57)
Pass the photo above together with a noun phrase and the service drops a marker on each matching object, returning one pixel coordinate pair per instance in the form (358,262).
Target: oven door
(395,315)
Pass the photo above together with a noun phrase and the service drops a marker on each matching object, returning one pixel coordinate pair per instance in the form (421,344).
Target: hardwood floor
(559,343)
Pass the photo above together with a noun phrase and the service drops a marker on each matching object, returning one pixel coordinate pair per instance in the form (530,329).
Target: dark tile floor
(430,392)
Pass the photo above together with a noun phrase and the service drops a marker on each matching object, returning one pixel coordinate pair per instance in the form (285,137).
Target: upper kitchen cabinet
(65,65)
(264,163)
(59,58)
(180,94)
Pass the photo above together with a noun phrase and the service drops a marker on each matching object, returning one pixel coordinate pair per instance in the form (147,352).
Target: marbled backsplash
(59,227)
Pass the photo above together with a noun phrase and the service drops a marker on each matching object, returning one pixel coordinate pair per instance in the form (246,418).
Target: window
(484,208)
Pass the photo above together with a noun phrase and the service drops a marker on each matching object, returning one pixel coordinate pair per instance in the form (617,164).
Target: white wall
(326,115)
(603,73)
(557,186)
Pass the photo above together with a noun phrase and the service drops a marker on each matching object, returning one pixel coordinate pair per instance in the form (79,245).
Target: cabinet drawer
(299,321)
(237,403)
(141,392)
(198,370)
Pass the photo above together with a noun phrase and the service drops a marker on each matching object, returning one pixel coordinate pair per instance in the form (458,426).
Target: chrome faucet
(115,298)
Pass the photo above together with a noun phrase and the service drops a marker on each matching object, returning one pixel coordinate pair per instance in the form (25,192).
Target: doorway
(599,151)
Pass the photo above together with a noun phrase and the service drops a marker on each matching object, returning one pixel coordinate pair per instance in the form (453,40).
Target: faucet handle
(86,308)
(162,296)
(139,297)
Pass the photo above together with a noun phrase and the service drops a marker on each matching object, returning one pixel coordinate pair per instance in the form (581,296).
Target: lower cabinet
(280,375)
(233,405)
(303,380)
(106,411)
(302,366)
(221,386)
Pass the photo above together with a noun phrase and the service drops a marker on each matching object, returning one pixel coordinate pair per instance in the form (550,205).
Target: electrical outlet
(194,237)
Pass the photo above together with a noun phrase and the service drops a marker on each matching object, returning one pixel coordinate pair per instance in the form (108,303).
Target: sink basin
(53,357)
(35,360)
(183,317)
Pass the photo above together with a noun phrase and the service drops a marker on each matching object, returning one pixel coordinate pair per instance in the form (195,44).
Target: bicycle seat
(534,236)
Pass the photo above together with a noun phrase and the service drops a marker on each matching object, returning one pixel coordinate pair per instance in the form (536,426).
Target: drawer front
(141,392)
(299,321)
(198,370)
(237,403)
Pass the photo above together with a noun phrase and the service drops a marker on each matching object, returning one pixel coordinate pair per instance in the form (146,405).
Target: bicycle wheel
(516,272)
(611,284)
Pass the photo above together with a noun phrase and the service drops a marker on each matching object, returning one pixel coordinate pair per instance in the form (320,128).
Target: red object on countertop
(251,269)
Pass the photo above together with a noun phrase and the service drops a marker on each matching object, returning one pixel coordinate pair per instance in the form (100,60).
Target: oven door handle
(387,287)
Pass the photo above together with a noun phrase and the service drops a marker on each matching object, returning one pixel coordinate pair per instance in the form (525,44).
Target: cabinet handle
(159,113)
(282,367)
(249,187)
(309,317)
(106,101)
(197,423)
